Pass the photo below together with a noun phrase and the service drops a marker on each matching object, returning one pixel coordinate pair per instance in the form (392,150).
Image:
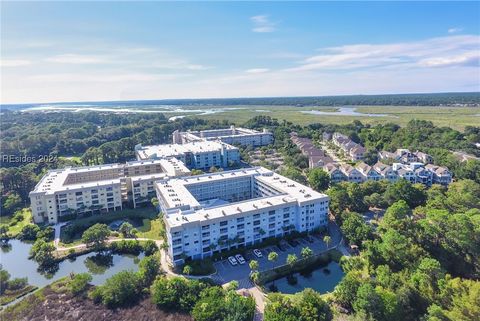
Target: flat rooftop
(183,207)
(175,150)
(56,180)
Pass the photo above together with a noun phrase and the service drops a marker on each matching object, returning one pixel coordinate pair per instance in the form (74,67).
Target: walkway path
(57,228)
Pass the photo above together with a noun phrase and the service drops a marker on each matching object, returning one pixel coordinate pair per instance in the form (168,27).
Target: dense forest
(425,99)
(100,138)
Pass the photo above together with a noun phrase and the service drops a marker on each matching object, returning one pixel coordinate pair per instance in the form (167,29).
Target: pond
(344,111)
(322,279)
(15,260)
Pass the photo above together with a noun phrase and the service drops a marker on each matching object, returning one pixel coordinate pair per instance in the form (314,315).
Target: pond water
(15,260)
(322,279)
(344,111)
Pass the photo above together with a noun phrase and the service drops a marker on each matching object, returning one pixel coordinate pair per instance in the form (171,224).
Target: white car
(240,259)
(232,260)
(257,253)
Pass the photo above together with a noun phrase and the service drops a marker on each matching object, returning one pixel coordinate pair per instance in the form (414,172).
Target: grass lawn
(151,229)
(150,226)
(15,229)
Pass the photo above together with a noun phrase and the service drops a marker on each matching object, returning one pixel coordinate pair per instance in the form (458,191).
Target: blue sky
(68,51)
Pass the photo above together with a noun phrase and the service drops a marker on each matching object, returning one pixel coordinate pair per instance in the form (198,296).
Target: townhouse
(352,150)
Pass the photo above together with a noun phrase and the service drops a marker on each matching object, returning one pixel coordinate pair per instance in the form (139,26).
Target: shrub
(149,247)
(126,247)
(29,232)
(17,284)
(120,289)
(79,282)
(177,293)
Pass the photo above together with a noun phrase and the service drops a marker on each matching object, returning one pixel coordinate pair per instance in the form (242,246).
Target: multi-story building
(441,175)
(232,135)
(71,191)
(208,213)
(195,155)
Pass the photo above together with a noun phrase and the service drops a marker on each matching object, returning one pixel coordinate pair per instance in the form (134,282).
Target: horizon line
(232,98)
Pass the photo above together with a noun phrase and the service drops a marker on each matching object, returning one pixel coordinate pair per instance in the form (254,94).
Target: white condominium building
(232,135)
(63,193)
(195,155)
(208,213)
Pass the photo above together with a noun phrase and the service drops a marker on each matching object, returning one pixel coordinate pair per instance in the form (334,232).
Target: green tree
(29,232)
(404,190)
(368,302)
(273,257)
(96,235)
(355,229)
(291,259)
(318,179)
(306,252)
(187,270)
(327,239)
(120,289)
(311,307)
(148,269)
(345,292)
(126,229)
(211,306)
(42,252)
(253,264)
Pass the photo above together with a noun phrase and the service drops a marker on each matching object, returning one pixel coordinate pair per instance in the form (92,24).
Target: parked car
(232,260)
(310,239)
(240,259)
(257,253)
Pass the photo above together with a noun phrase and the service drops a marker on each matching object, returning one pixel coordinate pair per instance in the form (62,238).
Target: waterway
(344,111)
(14,259)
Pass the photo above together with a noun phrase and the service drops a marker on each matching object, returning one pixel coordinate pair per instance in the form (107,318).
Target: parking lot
(240,272)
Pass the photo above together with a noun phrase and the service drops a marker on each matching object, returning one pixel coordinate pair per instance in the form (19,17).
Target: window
(255,223)
(271,212)
(240,226)
(205,227)
(223,223)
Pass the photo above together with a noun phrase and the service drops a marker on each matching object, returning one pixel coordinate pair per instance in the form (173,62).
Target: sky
(104,51)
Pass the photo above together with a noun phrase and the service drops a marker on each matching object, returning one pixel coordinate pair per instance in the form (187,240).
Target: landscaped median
(299,265)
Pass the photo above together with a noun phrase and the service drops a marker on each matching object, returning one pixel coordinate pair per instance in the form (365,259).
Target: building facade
(195,155)
(209,213)
(64,193)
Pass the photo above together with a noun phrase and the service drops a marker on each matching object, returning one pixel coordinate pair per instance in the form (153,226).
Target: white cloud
(455,30)
(261,23)
(77,59)
(257,70)
(14,62)
(446,51)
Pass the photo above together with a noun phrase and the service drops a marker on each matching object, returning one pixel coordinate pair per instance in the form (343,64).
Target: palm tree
(306,252)
(273,257)
(327,239)
(253,264)
(291,259)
